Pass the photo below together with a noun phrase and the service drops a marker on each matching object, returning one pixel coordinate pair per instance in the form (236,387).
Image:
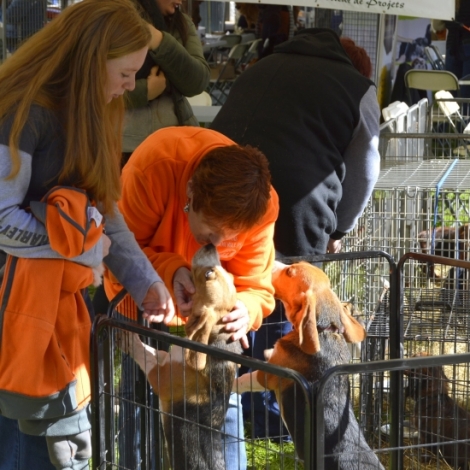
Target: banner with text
(432,9)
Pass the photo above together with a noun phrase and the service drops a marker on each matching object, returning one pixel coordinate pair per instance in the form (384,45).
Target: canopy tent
(438,9)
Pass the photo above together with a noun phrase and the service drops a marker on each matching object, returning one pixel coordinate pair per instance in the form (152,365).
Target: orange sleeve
(65,213)
(252,267)
(147,204)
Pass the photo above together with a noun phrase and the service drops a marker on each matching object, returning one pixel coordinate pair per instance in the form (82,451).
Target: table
(205,113)
(208,45)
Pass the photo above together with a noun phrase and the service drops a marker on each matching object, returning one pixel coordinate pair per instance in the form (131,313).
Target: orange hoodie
(44,321)
(153,196)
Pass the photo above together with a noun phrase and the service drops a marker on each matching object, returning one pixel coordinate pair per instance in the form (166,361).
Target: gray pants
(70,452)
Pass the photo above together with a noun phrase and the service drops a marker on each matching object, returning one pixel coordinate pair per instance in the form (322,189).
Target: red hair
(358,56)
(231,186)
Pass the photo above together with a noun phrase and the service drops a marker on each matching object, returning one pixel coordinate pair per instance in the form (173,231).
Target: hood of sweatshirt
(318,42)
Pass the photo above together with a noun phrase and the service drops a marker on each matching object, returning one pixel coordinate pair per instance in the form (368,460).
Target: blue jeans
(261,408)
(235,451)
(19,451)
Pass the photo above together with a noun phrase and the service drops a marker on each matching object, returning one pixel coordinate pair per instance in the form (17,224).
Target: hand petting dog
(158,305)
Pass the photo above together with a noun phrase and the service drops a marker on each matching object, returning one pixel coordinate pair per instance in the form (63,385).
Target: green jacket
(188,72)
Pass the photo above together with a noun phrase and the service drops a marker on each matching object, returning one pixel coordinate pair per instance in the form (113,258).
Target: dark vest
(300,107)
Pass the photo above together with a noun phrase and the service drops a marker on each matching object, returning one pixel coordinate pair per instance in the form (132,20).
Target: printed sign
(431,9)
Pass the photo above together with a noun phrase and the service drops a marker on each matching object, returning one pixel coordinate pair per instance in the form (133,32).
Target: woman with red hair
(358,56)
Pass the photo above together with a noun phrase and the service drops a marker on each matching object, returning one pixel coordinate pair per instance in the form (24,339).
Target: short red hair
(231,186)
(358,56)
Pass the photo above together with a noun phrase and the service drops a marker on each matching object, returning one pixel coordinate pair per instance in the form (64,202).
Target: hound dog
(322,325)
(440,420)
(193,389)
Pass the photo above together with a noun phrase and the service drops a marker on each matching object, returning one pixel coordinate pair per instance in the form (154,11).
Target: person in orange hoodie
(61,106)
(185,187)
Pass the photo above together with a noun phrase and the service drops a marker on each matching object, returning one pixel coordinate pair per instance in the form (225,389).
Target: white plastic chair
(394,109)
(449,107)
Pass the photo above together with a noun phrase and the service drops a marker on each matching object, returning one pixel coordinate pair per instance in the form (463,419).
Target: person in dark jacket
(23,18)
(316,118)
(457,58)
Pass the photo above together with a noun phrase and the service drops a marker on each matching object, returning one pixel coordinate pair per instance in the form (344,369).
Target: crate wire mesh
(386,411)
(422,417)
(408,206)
(426,431)
(366,279)
(127,429)
(403,137)
(435,323)
(123,441)
(423,207)
(424,132)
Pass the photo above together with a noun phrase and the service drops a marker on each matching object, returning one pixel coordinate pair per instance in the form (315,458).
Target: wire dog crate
(426,431)
(128,415)
(127,431)
(422,207)
(424,132)
(414,411)
(388,396)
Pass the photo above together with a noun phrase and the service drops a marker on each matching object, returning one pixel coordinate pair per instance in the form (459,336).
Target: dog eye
(209,274)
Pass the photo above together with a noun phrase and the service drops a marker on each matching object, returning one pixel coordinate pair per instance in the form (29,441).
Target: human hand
(237,321)
(183,287)
(156,83)
(158,305)
(157,36)
(334,246)
(106,245)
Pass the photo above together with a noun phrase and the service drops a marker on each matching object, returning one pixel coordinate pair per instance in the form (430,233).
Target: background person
(184,187)
(23,18)
(457,59)
(58,129)
(316,118)
(174,68)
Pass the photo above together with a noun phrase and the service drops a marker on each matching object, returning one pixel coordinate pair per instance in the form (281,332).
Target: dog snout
(206,256)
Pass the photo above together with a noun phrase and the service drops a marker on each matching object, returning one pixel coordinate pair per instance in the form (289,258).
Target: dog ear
(199,328)
(308,333)
(354,331)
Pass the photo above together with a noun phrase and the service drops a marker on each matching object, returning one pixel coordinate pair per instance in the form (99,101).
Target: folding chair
(230,40)
(228,72)
(431,80)
(251,54)
(450,108)
(253,51)
(434,57)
